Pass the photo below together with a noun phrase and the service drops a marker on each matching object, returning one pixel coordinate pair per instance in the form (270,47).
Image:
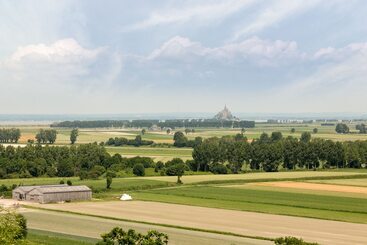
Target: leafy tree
(108,182)
(120,237)
(180,139)
(143,131)
(293,130)
(176,170)
(187,130)
(168,131)
(276,136)
(342,128)
(69,183)
(315,130)
(362,128)
(305,137)
(243,130)
(139,169)
(13,227)
(74,135)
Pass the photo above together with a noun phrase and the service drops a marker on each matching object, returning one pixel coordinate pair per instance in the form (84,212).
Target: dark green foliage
(276,136)
(117,236)
(45,136)
(74,135)
(292,241)
(362,128)
(176,169)
(22,221)
(62,182)
(69,183)
(9,135)
(293,130)
(121,141)
(305,137)
(158,166)
(108,182)
(218,169)
(342,128)
(315,130)
(175,123)
(139,169)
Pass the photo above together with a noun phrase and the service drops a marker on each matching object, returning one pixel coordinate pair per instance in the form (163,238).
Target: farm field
(103,134)
(91,227)
(250,177)
(238,222)
(158,154)
(345,182)
(39,237)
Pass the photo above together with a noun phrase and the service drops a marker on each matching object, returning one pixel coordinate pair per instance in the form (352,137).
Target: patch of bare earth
(314,186)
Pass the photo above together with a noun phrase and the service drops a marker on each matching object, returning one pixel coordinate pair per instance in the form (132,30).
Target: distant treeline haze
(193,123)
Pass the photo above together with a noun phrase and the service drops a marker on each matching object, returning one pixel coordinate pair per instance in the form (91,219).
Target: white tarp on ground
(126,197)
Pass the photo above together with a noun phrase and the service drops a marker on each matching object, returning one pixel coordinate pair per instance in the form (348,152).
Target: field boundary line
(152,223)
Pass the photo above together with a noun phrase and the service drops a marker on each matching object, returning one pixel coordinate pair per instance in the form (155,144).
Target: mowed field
(211,219)
(92,227)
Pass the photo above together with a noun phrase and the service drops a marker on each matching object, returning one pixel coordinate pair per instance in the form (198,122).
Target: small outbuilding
(52,193)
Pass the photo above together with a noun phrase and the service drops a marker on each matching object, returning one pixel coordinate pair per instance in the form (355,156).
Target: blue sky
(183,56)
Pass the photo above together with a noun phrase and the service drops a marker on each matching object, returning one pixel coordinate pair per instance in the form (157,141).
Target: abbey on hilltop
(225,114)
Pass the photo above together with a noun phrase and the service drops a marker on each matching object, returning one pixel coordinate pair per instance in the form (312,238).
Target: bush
(69,183)
(62,182)
(13,227)
(218,169)
(291,241)
(139,170)
(158,166)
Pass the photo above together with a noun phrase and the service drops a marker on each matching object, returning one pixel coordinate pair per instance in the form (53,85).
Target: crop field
(89,229)
(347,209)
(211,219)
(251,177)
(345,182)
(158,154)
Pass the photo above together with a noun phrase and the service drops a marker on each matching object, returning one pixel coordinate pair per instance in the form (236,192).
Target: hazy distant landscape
(237,122)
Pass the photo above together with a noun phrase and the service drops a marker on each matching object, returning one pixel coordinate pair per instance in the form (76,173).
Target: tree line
(269,153)
(342,128)
(121,141)
(176,123)
(9,135)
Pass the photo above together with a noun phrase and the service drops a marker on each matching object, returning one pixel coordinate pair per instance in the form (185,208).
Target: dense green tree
(139,170)
(293,130)
(305,137)
(74,135)
(342,128)
(143,131)
(315,130)
(176,170)
(276,136)
(117,236)
(362,128)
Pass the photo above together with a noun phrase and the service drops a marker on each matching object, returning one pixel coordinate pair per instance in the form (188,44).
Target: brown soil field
(314,186)
(245,223)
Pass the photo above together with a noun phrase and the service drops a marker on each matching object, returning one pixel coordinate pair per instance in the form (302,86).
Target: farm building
(52,193)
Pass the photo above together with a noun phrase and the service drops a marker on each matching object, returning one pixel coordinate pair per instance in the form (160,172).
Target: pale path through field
(239,222)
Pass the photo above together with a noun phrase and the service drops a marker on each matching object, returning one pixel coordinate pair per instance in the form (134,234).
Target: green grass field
(277,202)
(50,238)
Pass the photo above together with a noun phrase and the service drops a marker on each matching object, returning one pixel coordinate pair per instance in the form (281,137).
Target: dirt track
(314,186)
(246,223)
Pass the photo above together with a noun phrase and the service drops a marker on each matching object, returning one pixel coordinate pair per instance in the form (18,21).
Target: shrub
(69,183)
(292,241)
(139,170)
(62,182)
(218,169)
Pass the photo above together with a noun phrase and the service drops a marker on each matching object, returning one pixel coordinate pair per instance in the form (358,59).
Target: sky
(135,56)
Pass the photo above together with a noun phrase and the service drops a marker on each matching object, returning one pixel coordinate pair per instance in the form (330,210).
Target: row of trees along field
(192,123)
(9,135)
(268,153)
(121,141)
(342,128)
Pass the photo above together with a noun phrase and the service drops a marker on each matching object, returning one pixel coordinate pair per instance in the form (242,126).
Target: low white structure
(126,197)
(52,193)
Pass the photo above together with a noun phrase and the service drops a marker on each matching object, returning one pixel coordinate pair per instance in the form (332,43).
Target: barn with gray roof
(52,193)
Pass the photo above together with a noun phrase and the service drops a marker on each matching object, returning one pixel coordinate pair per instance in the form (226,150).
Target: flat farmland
(190,179)
(237,222)
(159,154)
(345,182)
(93,227)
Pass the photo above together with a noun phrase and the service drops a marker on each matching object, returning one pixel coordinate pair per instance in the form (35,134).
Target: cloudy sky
(183,56)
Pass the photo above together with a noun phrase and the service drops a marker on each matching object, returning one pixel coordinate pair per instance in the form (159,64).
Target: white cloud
(275,12)
(62,51)
(199,12)
(341,53)
(256,50)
